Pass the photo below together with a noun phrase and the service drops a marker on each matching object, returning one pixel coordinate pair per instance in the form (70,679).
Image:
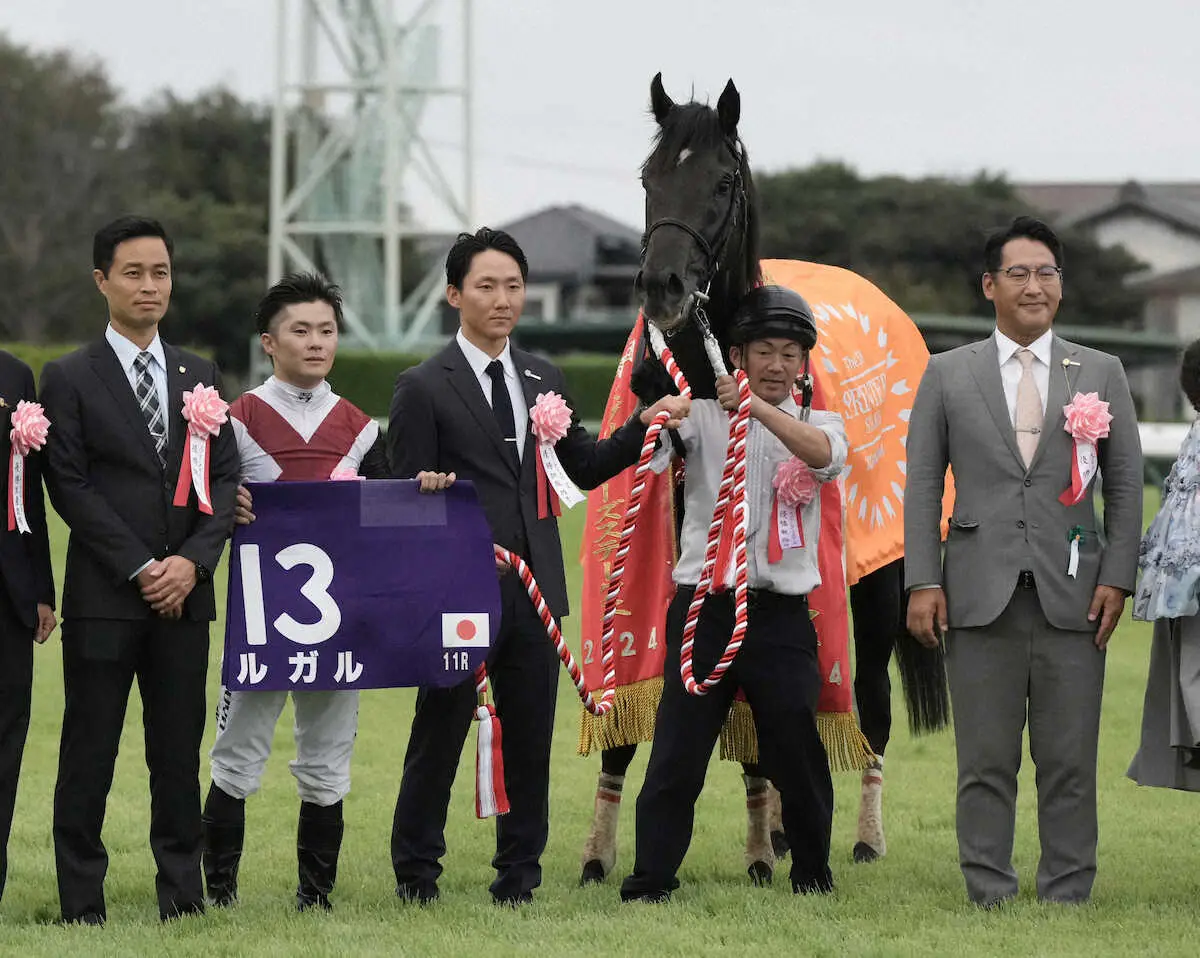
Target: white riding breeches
(326,723)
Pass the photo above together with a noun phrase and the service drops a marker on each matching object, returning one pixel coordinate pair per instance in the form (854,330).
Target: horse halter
(715,250)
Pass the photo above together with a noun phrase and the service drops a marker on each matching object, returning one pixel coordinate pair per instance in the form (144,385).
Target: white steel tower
(371,153)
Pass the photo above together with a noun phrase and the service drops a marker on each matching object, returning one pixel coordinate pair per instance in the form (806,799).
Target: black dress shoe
(513,901)
(421,893)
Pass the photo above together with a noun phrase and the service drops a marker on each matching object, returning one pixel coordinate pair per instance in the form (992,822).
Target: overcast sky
(1050,90)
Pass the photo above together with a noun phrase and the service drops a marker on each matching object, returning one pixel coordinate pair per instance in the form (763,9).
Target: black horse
(700,248)
(700,257)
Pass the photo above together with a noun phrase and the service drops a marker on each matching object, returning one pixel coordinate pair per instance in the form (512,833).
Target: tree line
(75,154)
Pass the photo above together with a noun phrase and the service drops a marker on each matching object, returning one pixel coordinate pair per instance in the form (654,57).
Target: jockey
(787,444)
(292,427)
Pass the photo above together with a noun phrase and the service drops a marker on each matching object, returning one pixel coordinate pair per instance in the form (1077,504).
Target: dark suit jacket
(441,421)
(24,559)
(105,481)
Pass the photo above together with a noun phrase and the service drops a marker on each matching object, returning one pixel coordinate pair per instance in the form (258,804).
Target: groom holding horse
(789,450)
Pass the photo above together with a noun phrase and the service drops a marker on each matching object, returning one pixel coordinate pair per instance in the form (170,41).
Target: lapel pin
(182,370)
(3,404)
(532,375)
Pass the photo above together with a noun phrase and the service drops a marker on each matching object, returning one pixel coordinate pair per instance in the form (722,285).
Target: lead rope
(490,798)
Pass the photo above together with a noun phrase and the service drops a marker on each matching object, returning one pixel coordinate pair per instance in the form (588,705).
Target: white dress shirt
(1011,369)
(478,361)
(705,434)
(127,352)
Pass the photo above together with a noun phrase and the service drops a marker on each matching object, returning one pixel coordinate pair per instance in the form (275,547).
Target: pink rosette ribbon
(206,412)
(551,418)
(28,434)
(1087,420)
(795,486)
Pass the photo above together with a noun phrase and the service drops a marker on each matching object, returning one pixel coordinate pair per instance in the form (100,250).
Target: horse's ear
(660,103)
(729,109)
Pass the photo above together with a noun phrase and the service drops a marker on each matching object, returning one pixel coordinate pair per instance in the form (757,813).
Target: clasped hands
(167,583)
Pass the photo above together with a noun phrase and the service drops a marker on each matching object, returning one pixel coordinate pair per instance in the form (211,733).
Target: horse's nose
(659,286)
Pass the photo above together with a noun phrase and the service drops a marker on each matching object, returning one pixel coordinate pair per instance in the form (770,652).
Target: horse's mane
(696,126)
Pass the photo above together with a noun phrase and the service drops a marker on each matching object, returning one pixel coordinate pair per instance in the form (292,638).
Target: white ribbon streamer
(568,493)
(1073,563)
(18,492)
(198,454)
(790,536)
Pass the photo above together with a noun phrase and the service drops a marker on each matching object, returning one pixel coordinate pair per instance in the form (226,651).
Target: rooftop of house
(1086,204)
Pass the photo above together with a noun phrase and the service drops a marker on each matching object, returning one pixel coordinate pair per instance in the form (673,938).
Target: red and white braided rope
(597,707)
(732,494)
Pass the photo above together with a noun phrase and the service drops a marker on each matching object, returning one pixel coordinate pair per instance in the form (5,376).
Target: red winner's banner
(647,588)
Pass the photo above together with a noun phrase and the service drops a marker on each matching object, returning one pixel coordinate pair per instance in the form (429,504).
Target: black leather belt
(1025,580)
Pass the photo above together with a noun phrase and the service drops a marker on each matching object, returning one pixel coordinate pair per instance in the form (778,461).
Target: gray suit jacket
(1008,519)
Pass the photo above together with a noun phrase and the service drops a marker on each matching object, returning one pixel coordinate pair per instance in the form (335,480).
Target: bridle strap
(712,252)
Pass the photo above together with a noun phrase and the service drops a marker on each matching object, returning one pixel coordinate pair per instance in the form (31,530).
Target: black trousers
(777,670)
(523,669)
(101,658)
(877,605)
(16,682)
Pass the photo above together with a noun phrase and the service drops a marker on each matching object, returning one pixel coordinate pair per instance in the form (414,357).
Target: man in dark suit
(26,598)
(466,411)
(138,594)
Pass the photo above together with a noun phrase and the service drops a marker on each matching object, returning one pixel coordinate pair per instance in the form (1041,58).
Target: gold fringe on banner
(845,744)
(630,722)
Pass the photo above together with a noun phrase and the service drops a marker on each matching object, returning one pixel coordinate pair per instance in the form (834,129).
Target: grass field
(911,903)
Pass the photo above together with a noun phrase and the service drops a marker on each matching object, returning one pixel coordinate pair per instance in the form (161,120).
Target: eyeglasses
(1047,275)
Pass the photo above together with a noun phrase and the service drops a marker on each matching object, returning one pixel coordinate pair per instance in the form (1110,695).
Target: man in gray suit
(1025,627)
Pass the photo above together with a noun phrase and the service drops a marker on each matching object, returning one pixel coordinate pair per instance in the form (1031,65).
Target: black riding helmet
(773,312)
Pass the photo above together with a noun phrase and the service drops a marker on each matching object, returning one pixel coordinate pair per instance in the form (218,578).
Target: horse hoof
(779,844)
(592,874)
(864,853)
(760,874)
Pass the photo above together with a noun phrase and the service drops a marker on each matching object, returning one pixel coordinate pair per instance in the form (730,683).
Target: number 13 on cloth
(341,585)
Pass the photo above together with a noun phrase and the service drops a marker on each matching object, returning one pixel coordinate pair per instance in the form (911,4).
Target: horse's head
(701,238)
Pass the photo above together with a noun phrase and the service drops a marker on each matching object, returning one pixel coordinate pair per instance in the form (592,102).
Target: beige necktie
(1029,408)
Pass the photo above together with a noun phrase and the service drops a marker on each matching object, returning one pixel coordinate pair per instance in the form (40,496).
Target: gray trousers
(1020,666)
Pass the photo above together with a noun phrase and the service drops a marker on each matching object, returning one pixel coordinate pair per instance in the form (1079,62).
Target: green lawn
(911,903)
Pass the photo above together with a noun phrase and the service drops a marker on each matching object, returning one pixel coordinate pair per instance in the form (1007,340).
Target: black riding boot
(318,842)
(224,829)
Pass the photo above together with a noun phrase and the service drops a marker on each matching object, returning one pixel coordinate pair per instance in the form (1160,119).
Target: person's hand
(435,481)
(676,407)
(166,584)
(46,623)
(501,566)
(727,393)
(927,616)
(1108,602)
(242,510)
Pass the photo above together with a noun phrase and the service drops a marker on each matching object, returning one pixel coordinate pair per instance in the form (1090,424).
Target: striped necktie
(147,397)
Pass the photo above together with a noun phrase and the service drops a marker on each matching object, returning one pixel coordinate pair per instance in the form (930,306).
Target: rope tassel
(491,799)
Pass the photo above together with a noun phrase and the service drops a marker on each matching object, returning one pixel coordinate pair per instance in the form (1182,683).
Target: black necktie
(502,407)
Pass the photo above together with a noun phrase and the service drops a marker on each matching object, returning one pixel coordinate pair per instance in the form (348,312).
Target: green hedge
(367,379)
(36,356)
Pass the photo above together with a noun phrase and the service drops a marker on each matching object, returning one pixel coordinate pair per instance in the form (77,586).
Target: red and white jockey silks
(311,434)
(1087,420)
(28,434)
